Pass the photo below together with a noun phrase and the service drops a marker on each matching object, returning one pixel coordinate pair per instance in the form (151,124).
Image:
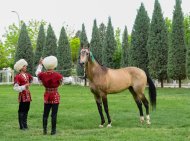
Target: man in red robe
(51,80)
(21,84)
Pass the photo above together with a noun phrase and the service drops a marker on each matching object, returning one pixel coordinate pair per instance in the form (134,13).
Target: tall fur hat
(19,64)
(50,62)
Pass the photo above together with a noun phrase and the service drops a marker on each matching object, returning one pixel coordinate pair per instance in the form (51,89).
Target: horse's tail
(152,92)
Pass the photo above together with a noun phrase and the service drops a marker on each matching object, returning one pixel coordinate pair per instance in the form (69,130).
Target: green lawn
(78,117)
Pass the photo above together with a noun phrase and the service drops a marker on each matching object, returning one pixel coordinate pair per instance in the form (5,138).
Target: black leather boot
(53,126)
(20,120)
(25,115)
(45,126)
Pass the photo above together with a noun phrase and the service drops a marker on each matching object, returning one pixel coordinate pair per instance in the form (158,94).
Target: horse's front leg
(99,106)
(106,109)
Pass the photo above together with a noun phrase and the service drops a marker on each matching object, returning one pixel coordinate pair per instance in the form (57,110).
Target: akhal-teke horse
(104,81)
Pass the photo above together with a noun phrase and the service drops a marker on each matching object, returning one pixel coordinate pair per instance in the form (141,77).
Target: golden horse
(103,81)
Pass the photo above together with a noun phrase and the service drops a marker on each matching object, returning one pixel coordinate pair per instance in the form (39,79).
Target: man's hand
(41,60)
(27,86)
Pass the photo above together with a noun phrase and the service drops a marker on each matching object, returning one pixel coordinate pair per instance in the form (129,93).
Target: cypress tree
(139,37)
(24,49)
(39,45)
(109,46)
(177,50)
(187,43)
(84,42)
(125,48)
(158,45)
(117,54)
(102,33)
(188,61)
(50,43)
(83,37)
(95,43)
(64,54)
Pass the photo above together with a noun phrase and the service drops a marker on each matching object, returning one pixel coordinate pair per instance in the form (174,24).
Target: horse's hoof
(141,119)
(101,126)
(148,122)
(109,125)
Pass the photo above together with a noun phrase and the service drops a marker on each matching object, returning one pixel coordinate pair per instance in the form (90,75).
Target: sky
(75,12)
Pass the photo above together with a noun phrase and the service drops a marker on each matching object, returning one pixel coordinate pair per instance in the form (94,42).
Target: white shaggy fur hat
(19,64)
(50,62)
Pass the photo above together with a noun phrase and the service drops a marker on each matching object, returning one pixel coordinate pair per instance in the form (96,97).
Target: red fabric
(51,79)
(25,95)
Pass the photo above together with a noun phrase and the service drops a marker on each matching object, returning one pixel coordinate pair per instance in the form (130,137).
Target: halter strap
(92,57)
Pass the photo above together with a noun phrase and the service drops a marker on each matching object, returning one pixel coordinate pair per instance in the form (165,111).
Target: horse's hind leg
(138,102)
(105,102)
(146,105)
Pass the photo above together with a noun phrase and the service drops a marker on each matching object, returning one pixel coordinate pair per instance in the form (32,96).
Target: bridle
(84,53)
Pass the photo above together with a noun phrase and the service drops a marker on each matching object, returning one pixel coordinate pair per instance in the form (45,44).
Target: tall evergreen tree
(139,36)
(39,45)
(177,51)
(102,33)
(24,49)
(95,43)
(109,46)
(64,54)
(117,54)
(125,48)
(50,43)
(187,42)
(84,42)
(188,61)
(158,45)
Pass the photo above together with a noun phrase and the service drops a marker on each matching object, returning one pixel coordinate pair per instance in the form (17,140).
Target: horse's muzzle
(81,63)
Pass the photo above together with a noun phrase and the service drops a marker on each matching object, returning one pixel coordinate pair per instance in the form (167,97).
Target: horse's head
(84,55)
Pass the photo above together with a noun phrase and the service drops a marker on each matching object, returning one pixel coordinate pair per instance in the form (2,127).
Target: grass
(78,117)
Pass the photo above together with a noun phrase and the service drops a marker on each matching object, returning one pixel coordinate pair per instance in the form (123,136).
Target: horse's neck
(91,67)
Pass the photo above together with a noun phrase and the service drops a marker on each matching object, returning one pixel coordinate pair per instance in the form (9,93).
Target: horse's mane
(104,68)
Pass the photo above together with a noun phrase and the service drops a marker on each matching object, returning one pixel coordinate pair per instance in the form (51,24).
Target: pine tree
(125,48)
(39,45)
(64,54)
(24,49)
(84,42)
(95,43)
(139,36)
(158,45)
(109,46)
(102,33)
(50,43)
(177,51)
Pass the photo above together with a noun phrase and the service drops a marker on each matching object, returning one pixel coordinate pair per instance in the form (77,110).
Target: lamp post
(18,17)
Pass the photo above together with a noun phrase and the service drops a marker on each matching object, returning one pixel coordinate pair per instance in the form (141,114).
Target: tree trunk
(162,83)
(179,83)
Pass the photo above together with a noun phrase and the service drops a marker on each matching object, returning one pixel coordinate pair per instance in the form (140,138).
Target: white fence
(6,76)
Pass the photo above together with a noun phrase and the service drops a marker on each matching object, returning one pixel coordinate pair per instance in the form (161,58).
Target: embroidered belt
(51,90)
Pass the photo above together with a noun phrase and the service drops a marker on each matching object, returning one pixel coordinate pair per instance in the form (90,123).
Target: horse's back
(138,77)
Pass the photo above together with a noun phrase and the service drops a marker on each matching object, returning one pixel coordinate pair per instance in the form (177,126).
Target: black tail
(152,92)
